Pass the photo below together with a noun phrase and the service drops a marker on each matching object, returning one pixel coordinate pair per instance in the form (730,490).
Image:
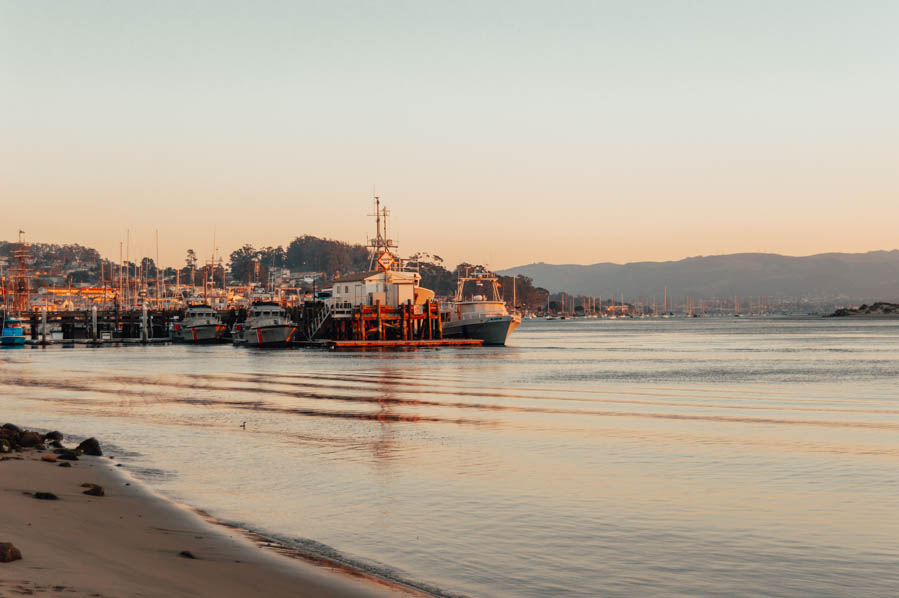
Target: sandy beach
(131,542)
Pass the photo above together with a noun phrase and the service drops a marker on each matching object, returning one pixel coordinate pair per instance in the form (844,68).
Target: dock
(333,345)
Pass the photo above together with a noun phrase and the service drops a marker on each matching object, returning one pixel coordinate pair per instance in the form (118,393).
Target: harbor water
(701,457)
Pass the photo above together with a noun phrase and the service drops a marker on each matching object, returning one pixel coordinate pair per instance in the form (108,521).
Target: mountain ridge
(872,275)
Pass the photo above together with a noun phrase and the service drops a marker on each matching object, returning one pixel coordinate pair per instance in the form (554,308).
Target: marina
(385,307)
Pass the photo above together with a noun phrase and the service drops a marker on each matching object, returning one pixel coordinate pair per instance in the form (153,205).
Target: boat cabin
(200,311)
(266,310)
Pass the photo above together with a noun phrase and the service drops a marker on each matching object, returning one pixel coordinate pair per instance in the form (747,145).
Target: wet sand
(129,542)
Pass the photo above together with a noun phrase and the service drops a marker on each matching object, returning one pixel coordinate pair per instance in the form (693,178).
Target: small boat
(201,324)
(13,334)
(267,325)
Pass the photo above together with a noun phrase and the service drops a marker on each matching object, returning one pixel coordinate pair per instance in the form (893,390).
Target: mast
(380,254)
(514,299)
(121,276)
(128,264)
(20,275)
(158,295)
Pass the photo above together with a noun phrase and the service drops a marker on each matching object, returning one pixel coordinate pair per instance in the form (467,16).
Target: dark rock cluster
(880,308)
(13,438)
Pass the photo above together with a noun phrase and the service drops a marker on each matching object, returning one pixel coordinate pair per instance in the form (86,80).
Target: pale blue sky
(497,132)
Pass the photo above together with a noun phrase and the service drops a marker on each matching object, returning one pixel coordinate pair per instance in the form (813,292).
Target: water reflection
(592,458)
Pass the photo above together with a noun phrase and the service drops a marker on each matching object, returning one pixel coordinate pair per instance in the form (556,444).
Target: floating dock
(380,344)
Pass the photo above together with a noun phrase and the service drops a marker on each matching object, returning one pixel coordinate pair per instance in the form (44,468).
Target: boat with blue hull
(13,334)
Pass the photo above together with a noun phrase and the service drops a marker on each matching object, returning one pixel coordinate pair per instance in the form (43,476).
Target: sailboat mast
(514,298)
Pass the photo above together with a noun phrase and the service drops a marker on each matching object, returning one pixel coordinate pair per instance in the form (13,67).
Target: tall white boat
(201,324)
(267,325)
(472,314)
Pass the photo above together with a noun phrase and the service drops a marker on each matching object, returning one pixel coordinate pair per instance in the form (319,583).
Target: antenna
(381,243)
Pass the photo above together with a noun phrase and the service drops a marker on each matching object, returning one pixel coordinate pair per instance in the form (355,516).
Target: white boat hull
(205,333)
(279,335)
(493,330)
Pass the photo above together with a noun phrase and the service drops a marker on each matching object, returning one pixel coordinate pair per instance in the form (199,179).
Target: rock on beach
(93,489)
(91,447)
(9,553)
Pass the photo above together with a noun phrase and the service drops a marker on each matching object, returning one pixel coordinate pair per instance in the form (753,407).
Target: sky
(502,133)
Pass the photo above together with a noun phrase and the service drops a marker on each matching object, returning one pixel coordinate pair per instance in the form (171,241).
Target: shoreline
(132,541)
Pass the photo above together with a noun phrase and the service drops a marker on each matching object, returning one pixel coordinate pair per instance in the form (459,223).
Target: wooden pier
(331,326)
(96,327)
(406,322)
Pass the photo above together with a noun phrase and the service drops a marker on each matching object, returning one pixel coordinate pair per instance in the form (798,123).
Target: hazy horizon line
(222,255)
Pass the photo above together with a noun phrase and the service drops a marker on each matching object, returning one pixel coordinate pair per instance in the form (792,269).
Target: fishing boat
(477,316)
(13,334)
(201,324)
(267,325)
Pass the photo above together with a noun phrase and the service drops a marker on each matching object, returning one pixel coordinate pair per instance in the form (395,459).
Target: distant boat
(13,334)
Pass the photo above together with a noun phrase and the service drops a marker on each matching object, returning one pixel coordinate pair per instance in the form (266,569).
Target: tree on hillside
(272,256)
(148,266)
(241,262)
(433,275)
(312,254)
(527,296)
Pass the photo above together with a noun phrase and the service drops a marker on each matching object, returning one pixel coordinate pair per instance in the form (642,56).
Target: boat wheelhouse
(478,310)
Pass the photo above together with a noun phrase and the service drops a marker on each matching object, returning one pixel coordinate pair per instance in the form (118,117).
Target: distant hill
(844,276)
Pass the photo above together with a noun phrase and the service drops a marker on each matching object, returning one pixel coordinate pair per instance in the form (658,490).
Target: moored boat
(201,324)
(267,325)
(13,334)
(477,316)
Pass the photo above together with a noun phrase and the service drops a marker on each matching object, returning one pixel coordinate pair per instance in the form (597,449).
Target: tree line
(248,264)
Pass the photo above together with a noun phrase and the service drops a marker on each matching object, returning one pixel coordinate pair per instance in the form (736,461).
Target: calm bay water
(588,458)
